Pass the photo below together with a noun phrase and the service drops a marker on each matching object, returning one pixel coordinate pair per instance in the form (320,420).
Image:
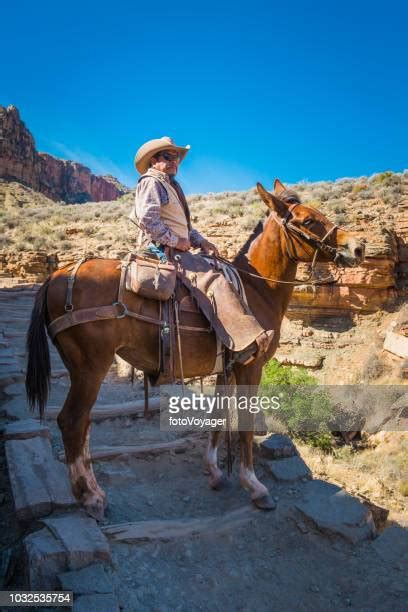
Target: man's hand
(209,248)
(183,244)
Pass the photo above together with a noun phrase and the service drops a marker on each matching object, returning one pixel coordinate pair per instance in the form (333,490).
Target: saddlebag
(150,278)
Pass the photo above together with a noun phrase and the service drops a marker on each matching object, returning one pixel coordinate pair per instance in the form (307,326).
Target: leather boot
(256,349)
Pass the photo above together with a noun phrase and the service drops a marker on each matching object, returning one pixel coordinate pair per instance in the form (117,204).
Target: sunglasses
(168,155)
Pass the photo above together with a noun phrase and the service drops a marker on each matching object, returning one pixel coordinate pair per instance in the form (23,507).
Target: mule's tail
(38,374)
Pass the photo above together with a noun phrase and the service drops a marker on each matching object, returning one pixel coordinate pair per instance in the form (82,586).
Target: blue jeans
(157,251)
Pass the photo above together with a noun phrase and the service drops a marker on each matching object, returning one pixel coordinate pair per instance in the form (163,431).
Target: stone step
(16,296)
(173,529)
(96,603)
(22,430)
(13,333)
(6,321)
(110,411)
(334,512)
(39,483)
(277,446)
(289,470)
(102,453)
(65,543)
(87,581)
(10,378)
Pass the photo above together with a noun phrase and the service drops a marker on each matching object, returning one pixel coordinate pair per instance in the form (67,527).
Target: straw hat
(149,148)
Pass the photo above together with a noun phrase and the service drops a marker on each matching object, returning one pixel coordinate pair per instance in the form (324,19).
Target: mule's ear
(278,187)
(272,201)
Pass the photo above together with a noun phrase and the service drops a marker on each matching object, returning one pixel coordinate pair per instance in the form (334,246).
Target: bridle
(290,231)
(319,244)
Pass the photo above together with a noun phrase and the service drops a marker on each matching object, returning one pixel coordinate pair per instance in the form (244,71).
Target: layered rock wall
(28,266)
(58,179)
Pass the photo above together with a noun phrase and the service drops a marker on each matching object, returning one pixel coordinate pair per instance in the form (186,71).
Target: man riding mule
(89,325)
(161,212)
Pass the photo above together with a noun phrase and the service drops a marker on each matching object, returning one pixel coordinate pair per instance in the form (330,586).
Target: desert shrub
(12,222)
(372,369)
(337,206)
(357,189)
(403,488)
(340,219)
(313,203)
(389,195)
(60,234)
(304,409)
(5,241)
(383,178)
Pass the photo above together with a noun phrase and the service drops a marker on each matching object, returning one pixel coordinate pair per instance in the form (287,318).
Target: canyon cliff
(58,179)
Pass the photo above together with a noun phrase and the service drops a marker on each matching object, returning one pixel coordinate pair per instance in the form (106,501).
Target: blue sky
(309,91)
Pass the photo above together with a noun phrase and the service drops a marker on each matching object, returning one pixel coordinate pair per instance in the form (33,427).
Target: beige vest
(172,213)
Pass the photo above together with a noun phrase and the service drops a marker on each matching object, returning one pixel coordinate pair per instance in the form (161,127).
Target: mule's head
(307,230)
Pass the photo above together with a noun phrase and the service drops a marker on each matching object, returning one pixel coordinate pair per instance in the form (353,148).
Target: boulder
(396,344)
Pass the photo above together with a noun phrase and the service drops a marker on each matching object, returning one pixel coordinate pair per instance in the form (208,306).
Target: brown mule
(267,262)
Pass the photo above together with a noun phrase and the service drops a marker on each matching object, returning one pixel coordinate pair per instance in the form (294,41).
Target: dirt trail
(268,561)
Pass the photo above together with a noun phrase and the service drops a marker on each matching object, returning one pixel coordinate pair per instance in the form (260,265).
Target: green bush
(383,178)
(359,188)
(304,408)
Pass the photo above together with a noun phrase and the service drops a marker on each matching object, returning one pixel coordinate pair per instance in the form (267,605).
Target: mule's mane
(258,229)
(289,196)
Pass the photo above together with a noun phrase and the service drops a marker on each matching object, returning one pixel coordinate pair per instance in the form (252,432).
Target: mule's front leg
(217,479)
(259,493)
(248,378)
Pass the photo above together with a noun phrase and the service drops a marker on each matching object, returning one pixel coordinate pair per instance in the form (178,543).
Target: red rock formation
(18,157)
(56,178)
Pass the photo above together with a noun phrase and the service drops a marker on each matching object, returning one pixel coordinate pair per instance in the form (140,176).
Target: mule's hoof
(264,503)
(220,484)
(96,510)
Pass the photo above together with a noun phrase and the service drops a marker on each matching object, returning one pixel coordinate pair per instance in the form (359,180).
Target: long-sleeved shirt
(150,196)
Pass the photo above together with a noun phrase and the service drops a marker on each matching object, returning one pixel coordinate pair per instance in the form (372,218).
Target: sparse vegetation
(30,220)
(304,409)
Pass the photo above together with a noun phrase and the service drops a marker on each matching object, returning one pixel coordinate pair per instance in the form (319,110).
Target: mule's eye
(308,222)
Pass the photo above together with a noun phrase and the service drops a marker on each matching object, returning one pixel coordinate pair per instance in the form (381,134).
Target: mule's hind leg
(74,423)
(217,479)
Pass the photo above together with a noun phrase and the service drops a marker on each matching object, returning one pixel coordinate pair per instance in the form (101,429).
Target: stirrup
(247,355)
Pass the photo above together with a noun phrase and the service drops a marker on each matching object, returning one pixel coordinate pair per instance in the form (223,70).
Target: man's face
(166,161)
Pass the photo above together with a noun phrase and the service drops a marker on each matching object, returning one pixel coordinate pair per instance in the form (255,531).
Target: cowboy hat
(151,147)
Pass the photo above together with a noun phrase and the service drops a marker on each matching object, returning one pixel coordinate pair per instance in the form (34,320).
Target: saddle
(197,293)
(180,310)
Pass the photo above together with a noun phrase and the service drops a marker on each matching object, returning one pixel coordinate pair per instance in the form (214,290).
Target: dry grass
(378,472)
(29,220)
